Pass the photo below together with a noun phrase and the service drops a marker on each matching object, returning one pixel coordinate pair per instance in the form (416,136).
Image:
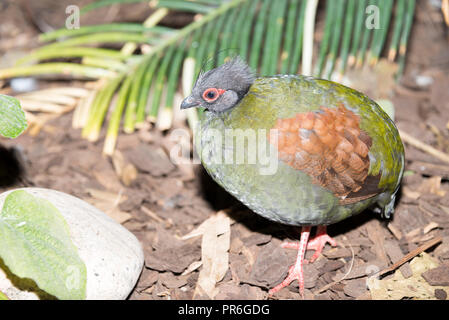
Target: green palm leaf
(269,34)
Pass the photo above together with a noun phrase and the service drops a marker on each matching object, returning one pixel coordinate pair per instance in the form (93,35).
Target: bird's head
(221,88)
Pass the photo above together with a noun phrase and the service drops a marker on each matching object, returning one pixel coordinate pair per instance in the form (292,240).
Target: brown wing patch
(330,147)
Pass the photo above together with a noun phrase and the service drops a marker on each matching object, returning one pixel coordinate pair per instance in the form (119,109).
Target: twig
(309,27)
(395,231)
(152,214)
(394,266)
(411,255)
(424,147)
(329,285)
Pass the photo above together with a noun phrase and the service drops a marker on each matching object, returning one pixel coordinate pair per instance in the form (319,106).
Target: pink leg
(319,241)
(295,271)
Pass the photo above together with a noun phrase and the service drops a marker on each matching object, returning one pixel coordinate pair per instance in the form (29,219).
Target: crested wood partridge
(307,152)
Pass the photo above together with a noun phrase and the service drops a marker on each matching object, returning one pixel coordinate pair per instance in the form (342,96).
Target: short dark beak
(189,102)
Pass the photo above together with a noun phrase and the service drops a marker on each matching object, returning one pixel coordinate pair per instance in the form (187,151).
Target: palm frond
(268,34)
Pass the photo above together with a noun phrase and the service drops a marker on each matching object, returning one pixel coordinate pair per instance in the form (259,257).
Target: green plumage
(287,195)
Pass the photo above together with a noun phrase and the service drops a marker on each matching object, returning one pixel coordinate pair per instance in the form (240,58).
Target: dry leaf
(430,227)
(107,179)
(410,193)
(108,202)
(124,170)
(413,233)
(62,91)
(214,254)
(432,185)
(398,287)
(36,122)
(192,267)
(114,198)
(129,174)
(203,227)
(395,231)
(118,162)
(39,106)
(110,209)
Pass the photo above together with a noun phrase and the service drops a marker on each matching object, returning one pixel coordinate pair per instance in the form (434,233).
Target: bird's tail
(386,205)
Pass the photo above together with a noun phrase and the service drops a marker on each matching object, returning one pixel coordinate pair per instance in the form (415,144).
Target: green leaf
(268,34)
(12,118)
(408,173)
(3,296)
(36,244)
(103,3)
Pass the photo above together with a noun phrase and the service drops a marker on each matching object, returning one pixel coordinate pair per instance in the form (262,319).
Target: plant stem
(398,23)
(299,35)
(251,9)
(358,28)
(146,84)
(211,48)
(172,84)
(104,63)
(114,122)
(274,38)
(98,112)
(309,27)
(188,73)
(105,37)
(159,84)
(183,33)
(136,85)
(184,6)
(335,41)
(103,3)
(365,41)
(410,11)
(289,35)
(380,35)
(150,22)
(68,69)
(72,53)
(225,36)
(110,27)
(330,16)
(203,39)
(347,35)
(243,11)
(258,35)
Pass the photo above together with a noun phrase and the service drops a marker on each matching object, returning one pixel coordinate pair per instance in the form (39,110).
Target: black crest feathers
(233,75)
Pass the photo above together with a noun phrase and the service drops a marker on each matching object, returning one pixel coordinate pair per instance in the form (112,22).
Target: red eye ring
(212,94)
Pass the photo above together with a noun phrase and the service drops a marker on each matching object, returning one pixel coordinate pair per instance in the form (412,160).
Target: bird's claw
(294,273)
(318,244)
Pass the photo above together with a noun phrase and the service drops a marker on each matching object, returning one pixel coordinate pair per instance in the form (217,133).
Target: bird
(311,152)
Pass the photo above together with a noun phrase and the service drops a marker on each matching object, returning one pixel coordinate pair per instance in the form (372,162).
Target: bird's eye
(212,94)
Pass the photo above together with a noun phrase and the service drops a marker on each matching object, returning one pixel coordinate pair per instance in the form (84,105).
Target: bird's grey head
(221,88)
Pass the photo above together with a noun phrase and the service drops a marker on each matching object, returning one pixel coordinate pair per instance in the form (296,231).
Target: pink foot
(295,272)
(319,241)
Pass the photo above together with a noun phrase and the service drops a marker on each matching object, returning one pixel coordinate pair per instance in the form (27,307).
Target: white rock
(113,256)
